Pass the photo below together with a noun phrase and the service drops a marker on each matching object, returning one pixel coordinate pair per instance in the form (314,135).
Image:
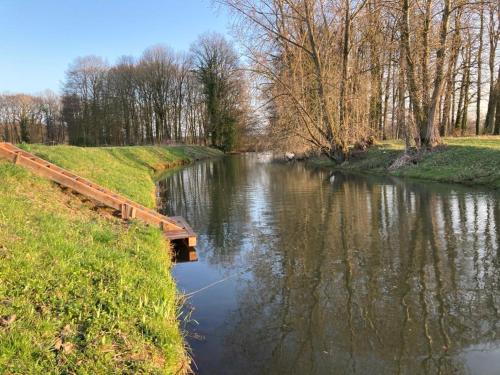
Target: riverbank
(81,290)
(468,160)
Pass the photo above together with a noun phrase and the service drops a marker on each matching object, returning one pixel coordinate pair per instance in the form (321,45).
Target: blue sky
(39,38)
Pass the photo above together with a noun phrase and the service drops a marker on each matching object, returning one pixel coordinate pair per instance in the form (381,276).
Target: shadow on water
(182,253)
(301,273)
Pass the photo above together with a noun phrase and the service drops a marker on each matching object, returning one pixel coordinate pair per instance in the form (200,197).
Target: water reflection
(351,275)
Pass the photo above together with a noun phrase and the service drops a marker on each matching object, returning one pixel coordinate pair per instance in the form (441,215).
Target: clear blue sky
(39,38)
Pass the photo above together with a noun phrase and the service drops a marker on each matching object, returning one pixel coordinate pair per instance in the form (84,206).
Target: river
(301,272)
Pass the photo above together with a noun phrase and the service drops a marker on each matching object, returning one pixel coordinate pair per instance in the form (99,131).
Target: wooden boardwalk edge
(175,228)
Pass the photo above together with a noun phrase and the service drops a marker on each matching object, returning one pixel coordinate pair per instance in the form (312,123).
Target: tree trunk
(479,70)
(413,90)
(401,113)
(489,123)
(466,94)
(431,136)
(458,118)
(386,98)
(345,60)
(496,129)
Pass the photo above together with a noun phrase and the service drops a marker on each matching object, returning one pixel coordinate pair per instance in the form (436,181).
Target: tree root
(410,157)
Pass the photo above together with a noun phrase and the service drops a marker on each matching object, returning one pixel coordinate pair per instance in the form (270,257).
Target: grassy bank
(127,170)
(472,161)
(81,291)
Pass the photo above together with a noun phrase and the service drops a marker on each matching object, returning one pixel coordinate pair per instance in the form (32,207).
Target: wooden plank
(6,154)
(191,235)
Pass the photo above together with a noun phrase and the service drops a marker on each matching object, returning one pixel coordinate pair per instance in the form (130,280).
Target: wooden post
(192,256)
(124,211)
(133,212)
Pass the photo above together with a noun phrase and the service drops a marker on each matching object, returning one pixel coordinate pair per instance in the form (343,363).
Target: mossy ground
(81,291)
(468,160)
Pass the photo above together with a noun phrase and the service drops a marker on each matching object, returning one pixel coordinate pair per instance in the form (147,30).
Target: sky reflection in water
(359,275)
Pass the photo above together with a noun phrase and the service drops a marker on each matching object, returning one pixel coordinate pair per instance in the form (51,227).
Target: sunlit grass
(127,170)
(80,291)
(467,160)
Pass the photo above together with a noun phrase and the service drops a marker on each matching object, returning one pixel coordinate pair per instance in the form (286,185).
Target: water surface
(309,274)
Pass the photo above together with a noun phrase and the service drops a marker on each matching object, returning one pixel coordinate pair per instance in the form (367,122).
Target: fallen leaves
(62,344)
(65,347)
(6,321)
(4,252)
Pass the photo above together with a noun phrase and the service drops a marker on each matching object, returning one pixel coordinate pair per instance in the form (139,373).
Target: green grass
(468,160)
(126,170)
(81,291)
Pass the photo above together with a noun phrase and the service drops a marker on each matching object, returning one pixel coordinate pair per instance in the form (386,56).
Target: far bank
(469,161)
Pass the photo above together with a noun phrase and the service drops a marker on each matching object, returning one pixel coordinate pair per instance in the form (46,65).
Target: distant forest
(162,97)
(328,75)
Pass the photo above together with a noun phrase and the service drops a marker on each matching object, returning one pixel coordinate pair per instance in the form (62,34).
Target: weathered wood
(192,255)
(175,228)
(124,211)
(191,238)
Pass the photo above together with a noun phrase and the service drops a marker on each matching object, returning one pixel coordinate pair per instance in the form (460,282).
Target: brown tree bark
(493,43)
(479,70)
(431,135)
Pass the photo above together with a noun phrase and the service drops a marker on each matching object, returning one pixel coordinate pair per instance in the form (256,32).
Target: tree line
(332,74)
(31,118)
(338,73)
(201,97)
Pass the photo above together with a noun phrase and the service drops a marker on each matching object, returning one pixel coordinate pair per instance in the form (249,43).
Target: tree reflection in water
(362,275)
